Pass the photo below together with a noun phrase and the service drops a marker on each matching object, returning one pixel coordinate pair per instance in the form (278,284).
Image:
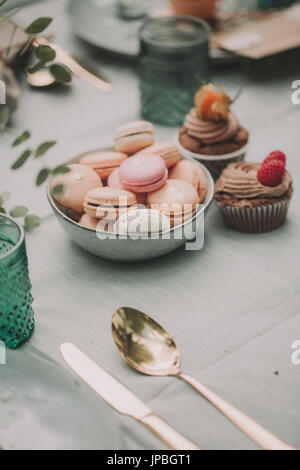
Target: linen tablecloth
(232,307)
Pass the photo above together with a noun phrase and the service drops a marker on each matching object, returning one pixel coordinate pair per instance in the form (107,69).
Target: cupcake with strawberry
(255,197)
(211,132)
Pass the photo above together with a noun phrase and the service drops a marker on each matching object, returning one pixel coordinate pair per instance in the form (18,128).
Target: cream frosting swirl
(240,181)
(211,132)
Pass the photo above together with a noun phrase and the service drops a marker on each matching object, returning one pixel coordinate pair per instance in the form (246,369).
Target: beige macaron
(133,137)
(74,186)
(103,162)
(177,199)
(189,171)
(167,151)
(108,202)
(89,222)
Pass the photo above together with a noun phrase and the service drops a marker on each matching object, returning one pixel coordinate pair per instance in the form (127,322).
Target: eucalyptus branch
(37,153)
(4,117)
(30,221)
(45,54)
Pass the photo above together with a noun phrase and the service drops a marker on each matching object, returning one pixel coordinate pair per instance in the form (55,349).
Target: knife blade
(120,398)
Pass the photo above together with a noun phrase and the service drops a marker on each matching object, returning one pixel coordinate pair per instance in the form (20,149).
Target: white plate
(43,407)
(97,22)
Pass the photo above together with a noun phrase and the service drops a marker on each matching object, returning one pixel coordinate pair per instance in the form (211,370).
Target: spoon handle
(166,433)
(255,431)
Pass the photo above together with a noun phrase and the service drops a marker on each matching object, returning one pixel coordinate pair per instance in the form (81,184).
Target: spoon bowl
(144,344)
(40,79)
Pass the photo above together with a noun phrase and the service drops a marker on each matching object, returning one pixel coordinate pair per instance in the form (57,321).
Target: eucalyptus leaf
(22,138)
(45,53)
(18,211)
(2,2)
(32,222)
(36,67)
(42,176)
(21,160)
(2,210)
(38,26)
(58,189)
(61,73)
(4,117)
(43,148)
(61,170)
(5,197)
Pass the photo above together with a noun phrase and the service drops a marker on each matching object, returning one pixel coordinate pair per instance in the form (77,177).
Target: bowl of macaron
(135,201)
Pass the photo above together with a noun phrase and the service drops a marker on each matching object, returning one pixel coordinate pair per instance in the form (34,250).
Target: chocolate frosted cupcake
(211,133)
(254,198)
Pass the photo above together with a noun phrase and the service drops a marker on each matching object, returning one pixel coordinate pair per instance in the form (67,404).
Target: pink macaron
(178,199)
(108,202)
(143,173)
(103,162)
(191,172)
(87,221)
(75,185)
(167,151)
(114,182)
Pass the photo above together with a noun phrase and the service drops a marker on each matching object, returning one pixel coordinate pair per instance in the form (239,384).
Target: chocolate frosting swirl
(211,132)
(240,181)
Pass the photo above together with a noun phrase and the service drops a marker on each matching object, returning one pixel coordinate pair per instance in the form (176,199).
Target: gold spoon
(43,78)
(149,349)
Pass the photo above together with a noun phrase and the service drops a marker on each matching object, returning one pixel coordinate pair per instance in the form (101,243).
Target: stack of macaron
(139,177)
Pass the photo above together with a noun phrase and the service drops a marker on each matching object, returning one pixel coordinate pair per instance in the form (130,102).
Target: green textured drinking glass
(16,314)
(174,63)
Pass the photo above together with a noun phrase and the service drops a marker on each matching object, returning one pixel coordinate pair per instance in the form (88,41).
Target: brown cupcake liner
(256,219)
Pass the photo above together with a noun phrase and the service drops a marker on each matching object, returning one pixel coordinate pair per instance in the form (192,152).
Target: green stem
(7,51)
(4,18)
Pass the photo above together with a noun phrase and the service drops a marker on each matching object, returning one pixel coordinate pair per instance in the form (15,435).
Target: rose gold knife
(122,399)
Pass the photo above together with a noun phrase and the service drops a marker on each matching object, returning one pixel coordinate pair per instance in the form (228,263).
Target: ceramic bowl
(119,248)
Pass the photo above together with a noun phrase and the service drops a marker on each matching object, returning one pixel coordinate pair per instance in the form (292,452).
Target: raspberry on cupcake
(255,197)
(212,132)
(271,173)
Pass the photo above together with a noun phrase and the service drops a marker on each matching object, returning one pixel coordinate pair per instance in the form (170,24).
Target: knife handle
(166,433)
